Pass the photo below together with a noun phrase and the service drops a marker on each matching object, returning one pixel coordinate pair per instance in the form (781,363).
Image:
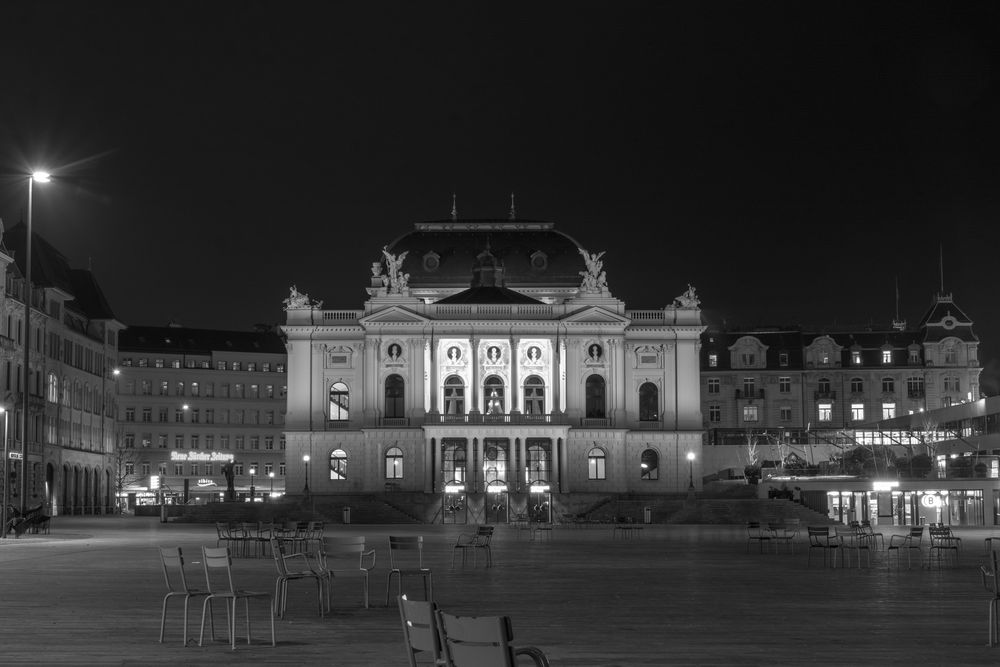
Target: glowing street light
(36,177)
(690,457)
(253,471)
(271,475)
(6,477)
(305,459)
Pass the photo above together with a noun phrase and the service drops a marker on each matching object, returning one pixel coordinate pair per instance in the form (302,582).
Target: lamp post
(253,471)
(6,476)
(690,457)
(40,177)
(271,475)
(305,459)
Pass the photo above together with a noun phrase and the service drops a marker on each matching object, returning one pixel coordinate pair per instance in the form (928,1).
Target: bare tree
(125,459)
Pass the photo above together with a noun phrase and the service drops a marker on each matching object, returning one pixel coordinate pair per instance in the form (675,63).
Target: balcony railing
(757,393)
(519,419)
(824,394)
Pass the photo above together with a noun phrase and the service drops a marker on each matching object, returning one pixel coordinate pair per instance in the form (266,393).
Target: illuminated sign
(539,488)
(200,456)
(884,486)
(154,481)
(454,488)
(930,501)
(203,482)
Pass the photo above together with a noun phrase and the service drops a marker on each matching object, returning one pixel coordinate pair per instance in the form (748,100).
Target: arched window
(538,460)
(53,393)
(77,395)
(66,391)
(493,396)
(454,396)
(394,463)
(650,465)
(595,464)
(857,386)
(339,402)
(338,464)
(394,397)
(649,402)
(495,463)
(823,386)
(595,397)
(534,395)
(453,460)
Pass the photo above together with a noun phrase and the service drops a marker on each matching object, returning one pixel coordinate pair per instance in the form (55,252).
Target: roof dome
(533,256)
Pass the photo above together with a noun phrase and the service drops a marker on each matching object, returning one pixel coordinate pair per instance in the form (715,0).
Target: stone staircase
(738,511)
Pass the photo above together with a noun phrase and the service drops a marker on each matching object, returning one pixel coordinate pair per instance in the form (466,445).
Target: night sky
(791,161)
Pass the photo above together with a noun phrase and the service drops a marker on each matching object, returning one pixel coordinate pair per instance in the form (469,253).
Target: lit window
(339,402)
(888,410)
(596,464)
(713,360)
(886,356)
(857,412)
(825,412)
(338,464)
(856,357)
(749,413)
(649,465)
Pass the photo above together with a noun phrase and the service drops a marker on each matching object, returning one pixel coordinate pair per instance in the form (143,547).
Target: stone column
(522,462)
(556,373)
(515,387)
(434,388)
(470,464)
(554,475)
(429,469)
(476,389)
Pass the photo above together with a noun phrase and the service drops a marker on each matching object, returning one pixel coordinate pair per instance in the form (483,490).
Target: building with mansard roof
(492,368)
(73,343)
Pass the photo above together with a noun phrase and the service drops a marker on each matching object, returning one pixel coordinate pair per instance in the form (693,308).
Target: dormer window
(950,355)
(748,359)
(856,357)
(887,357)
(824,358)
(782,359)
(713,360)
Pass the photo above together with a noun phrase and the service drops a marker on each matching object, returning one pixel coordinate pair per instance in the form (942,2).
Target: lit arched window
(538,460)
(66,391)
(534,395)
(453,461)
(595,464)
(595,397)
(394,463)
(394,397)
(649,402)
(53,393)
(493,396)
(339,402)
(650,465)
(454,396)
(338,464)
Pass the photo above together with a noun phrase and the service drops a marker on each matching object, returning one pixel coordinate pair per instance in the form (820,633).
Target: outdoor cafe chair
(475,542)
(406,559)
(877,540)
(991,583)
(909,542)
(944,546)
(343,558)
(851,538)
(829,545)
(172,560)
(281,559)
(782,533)
(757,533)
(218,564)
(420,630)
(483,641)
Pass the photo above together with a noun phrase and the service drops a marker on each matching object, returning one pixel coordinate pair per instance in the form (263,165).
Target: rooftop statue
(594,278)
(689,299)
(394,279)
(297,300)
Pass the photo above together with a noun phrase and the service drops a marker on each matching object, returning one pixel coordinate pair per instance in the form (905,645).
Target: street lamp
(253,471)
(271,475)
(305,459)
(690,471)
(39,177)
(6,476)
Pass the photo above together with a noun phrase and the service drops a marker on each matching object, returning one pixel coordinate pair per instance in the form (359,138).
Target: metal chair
(218,565)
(483,641)
(992,585)
(757,533)
(898,543)
(281,558)
(944,545)
(475,542)
(406,558)
(172,560)
(346,557)
(820,538)
(420,630)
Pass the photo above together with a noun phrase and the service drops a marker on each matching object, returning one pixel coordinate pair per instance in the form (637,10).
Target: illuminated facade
(193,400)
(491,357)
(815,392)
(74,339)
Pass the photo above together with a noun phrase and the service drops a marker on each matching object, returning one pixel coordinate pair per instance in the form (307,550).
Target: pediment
(595,315)
(393,315)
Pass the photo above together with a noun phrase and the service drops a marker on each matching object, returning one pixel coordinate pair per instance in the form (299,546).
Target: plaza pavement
(90,593)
